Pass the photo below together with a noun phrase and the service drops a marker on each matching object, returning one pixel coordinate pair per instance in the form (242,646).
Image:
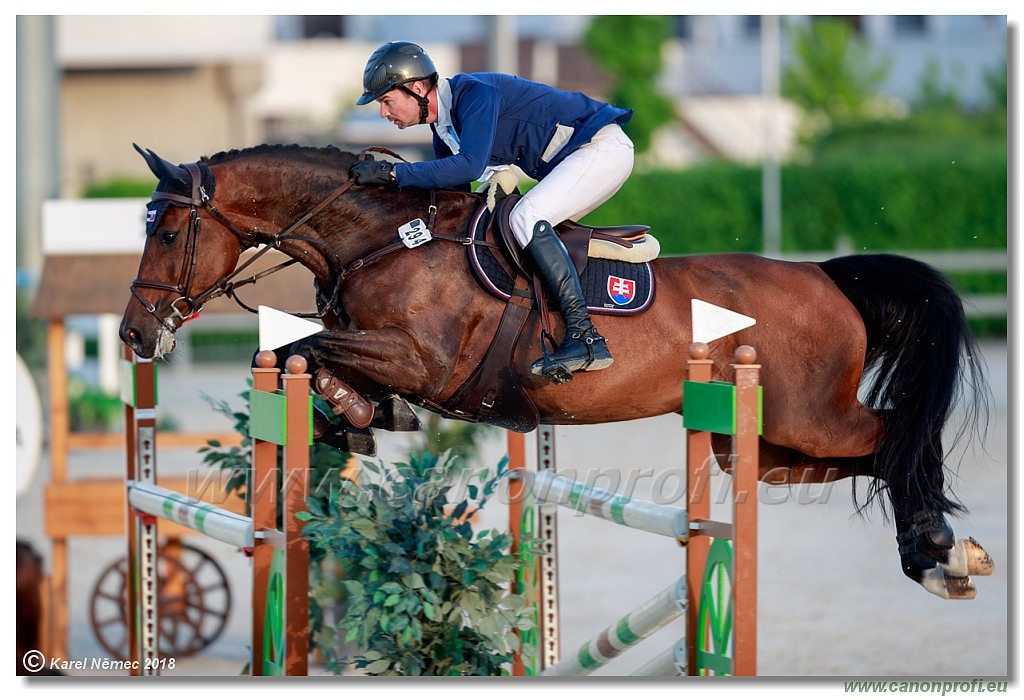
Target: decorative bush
(426,596)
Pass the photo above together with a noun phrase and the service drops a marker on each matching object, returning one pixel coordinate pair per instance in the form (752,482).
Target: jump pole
(720,584)
(280,615)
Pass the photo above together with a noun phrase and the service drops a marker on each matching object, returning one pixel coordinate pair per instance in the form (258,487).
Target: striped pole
(202,517)
(670,521)
(627,632)
(671,662)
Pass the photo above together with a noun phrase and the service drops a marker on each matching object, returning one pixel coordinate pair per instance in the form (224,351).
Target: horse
(410,321)
(30,613)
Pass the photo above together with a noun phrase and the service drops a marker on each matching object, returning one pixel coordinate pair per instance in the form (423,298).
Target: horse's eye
(168,237)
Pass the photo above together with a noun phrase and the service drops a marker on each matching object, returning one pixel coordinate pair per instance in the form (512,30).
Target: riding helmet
(393,65)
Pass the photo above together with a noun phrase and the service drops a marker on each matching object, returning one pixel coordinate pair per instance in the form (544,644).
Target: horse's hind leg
(934,558)
(929,553)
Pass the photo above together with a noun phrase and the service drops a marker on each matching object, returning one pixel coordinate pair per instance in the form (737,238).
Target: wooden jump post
(718,591)
(280,596)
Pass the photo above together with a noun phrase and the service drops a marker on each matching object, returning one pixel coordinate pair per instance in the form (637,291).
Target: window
(751,26)
(682,27)
(319,26)
(910,25)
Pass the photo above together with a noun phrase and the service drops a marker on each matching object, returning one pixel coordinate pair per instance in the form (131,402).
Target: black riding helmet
(392,66)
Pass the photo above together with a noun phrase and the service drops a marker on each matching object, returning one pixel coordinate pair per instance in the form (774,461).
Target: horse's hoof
(355,441)
(979,563)
(939,582)
(343,437)
(967,558)
(395,414)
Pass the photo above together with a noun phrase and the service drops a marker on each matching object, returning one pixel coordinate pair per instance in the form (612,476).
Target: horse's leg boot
(343,437)
(931,556)
(394,413)
(582,348)
(343,399)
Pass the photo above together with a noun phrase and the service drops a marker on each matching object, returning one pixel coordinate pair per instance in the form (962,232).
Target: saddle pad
(611,287)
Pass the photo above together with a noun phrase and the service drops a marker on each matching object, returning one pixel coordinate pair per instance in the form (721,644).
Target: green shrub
(426,595)
(913,201)
(119,187)
(331,571)
(91,408)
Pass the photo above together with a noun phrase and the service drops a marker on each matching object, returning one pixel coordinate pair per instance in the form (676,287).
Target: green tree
(995,83)
(933,94)
(833,74)
(628,47)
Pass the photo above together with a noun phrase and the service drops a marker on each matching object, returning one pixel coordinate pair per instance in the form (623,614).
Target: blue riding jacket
(502,120)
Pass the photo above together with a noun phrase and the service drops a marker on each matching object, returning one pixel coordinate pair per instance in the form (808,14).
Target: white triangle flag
(278,328)
(712,322)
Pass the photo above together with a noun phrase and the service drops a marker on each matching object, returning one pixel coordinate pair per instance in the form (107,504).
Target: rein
(226,285)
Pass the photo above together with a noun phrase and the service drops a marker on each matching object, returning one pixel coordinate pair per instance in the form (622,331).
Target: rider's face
(400,108)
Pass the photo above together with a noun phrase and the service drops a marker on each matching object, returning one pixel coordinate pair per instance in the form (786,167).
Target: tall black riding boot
(582,348)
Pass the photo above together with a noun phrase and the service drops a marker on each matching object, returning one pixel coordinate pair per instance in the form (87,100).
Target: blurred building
(188,86)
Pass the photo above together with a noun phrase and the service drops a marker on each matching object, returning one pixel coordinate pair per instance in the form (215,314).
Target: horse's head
(175,277)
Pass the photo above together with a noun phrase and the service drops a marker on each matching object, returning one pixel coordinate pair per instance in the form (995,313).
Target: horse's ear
(162,168)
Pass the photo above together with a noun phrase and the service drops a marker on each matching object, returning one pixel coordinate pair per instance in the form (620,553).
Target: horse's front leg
(388,360)
(385,362)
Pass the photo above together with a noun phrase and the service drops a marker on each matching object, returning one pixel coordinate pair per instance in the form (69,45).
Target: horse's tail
(924,359)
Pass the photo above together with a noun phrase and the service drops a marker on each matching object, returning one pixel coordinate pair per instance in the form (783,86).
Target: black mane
(327,155)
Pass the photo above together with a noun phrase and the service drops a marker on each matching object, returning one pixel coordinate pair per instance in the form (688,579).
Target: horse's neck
(355,225)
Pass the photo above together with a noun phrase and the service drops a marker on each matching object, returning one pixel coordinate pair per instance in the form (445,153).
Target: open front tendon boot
(582,348)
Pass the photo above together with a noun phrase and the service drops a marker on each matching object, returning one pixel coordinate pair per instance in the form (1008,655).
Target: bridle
(188,305)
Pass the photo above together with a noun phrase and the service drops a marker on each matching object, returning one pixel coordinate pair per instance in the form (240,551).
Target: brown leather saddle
(494,393)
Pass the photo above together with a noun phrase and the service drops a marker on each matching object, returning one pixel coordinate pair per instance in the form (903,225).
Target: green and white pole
(202,517)
(632,629)
(660,519)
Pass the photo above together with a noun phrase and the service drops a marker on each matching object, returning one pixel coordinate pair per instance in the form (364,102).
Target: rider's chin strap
(421,99)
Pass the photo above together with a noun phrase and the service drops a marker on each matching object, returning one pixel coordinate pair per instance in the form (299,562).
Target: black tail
(925,359)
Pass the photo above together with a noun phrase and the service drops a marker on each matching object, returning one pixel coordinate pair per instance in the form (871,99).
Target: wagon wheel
(193,608)
(715,613)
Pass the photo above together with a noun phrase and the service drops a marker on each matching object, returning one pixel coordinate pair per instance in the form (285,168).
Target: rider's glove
(373,172)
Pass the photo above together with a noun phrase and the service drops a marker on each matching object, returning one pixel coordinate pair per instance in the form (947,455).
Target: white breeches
(578,185)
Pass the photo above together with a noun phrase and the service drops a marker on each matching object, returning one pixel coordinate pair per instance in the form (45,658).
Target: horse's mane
(327,155)
(330,157)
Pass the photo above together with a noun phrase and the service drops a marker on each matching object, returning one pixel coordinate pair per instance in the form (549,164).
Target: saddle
(494,393)
(575,236)
(612,262)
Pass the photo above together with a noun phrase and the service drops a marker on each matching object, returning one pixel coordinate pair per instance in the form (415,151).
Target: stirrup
(555,369)
(554,373)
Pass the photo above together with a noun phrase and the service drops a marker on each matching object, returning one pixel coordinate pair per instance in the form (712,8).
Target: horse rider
(571,144)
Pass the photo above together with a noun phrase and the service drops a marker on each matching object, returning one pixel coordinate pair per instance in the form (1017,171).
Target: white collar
(444,105)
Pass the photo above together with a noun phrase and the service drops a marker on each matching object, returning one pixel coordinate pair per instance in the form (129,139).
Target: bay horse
(411,321)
